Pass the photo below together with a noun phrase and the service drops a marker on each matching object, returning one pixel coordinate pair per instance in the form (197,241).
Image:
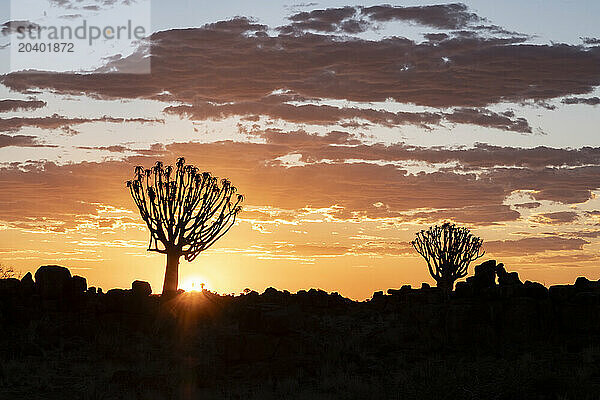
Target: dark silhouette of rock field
(493,337)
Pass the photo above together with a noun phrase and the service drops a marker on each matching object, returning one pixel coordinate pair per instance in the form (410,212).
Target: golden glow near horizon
(193,283)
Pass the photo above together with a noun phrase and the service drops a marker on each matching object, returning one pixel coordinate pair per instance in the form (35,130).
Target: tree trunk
(446,284)
(171,274)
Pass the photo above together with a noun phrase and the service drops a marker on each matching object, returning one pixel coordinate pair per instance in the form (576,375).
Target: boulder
(512,278)
(273,295)
(251,296)
(535,290)
(270,291)
(507,278)
(406,288)
(378,299)
(10,287)
(562,292)
(463,289)
(485,275)
(403,290)
(484,278)
(584,284)
(317,298)
(141,289)
(27,284)
(117,293)
(52,281)
(78,285)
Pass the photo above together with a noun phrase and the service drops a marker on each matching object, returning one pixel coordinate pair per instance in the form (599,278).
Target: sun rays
(194,283)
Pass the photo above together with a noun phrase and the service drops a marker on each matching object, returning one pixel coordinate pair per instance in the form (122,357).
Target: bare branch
(186,211)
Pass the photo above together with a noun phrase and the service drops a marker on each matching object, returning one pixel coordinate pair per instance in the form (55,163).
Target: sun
(193,284)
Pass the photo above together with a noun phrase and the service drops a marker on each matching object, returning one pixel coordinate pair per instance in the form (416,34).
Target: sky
(348,127)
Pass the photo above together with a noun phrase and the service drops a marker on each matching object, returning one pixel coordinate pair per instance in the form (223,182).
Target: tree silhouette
(448,250)
(186,211)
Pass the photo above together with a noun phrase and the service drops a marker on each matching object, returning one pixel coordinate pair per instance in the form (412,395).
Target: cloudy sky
(348,127)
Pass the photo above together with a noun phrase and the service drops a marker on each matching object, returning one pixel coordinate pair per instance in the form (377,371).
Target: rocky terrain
(494,337)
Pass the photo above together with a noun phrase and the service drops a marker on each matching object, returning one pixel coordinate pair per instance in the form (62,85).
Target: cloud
(529,205)
(556,218)
(296,76)
(303,114)
(331,15)
(71,16)
(475,215)
(532,245)
(352,20)
(591,41)
(75,4)
(564,185)
(565,260)
(44,196)
(20,141)
(479,157)
(329,20)
(56,121)
(112,149)
(591,234)
(466,71)
(274,107)
(314,183)
(62,3)
(490,119)
(10,27)
(356,188)
(436,37)
(443,16)
(20,105)
(592,101)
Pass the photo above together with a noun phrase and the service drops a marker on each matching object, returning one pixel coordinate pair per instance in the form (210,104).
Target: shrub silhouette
(448,250)
(186,211)
(8,272)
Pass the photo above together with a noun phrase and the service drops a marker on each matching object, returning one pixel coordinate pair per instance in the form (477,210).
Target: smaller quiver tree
(448,250)
(186,211)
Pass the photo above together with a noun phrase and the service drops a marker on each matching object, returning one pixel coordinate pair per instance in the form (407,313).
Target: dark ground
(488,340)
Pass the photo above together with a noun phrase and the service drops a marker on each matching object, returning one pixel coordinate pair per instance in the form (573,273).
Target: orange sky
(344,139)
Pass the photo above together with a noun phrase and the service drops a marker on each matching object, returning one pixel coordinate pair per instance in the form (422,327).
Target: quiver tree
(186,211)
(448,250)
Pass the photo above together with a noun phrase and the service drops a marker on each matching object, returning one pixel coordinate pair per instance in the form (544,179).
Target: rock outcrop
(78,285)
(141,289)
(53,281)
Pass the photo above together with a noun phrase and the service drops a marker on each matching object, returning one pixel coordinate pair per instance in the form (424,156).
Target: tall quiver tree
(186,211)
(448,250)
